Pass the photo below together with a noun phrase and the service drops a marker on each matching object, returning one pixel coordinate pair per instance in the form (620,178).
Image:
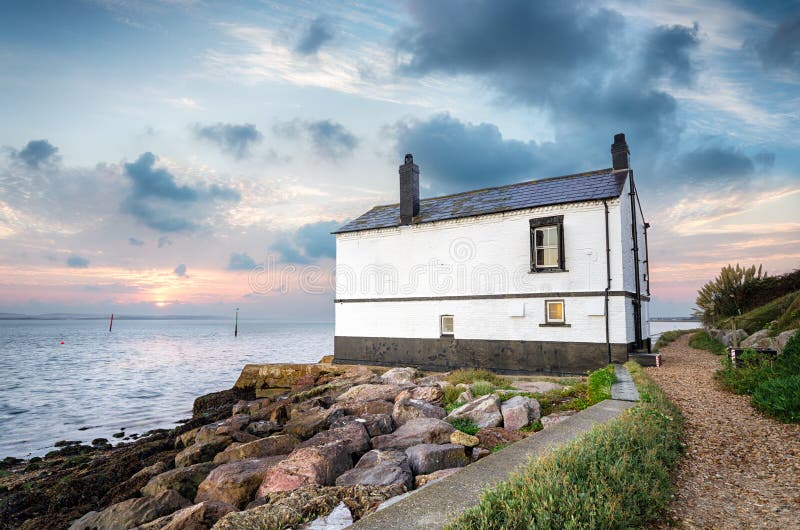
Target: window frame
(550,322)
(442,332)
(556,221)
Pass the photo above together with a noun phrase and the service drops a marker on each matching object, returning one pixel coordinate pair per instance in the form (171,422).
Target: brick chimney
(409,191)
(620,154)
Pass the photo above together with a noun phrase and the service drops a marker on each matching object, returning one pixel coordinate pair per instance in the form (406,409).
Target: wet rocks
(427,458)
(279,444)
(379,468)
(202,451)
(408,409)
(318,465)
(483,411)
(519,411)
(132,513)
(184,480)
(264,428)
(414,432)
(236,483)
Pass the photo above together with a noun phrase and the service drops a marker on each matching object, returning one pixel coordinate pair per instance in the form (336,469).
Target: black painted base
(500,356)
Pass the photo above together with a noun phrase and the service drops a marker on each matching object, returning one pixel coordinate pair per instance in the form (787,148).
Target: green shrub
(703,341)
(779,398)
(616,476)
(599,384)
(470,376)
(669,337)
(725,295)
(783,310)
(482,388)
(743,379)
(451,394)
(464,425)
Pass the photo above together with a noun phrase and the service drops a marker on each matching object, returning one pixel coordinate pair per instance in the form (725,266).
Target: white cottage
(543,276)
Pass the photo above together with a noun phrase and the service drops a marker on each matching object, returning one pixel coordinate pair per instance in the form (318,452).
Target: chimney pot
(620,153)
(409,190)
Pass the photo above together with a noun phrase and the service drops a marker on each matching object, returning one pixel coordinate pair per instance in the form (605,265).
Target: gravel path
(741,469)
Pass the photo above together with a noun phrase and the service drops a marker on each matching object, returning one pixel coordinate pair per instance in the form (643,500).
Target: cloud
(289,252)
(77,262)
(135,242)
(180,271)
(330,139)
(240,262)
(782,48)
(715,163)
(318,33)
(157,201)
(309,242)
(456,156)
(37,153)
(668,54)
(231,138)
(164,241)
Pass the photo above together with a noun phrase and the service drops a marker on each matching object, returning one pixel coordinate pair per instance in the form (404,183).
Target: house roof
(590,186)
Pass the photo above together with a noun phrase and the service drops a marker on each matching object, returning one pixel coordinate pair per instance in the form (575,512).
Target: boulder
(186,439)
(318,465)
(263,428)
(150,471)
(493,436)
(379,468)
(271,380)
(415,432)
(783,338)
(371,392)
(184,480)
(201,516)
(132,513)
(759,339)
(202,451)
(307,424)
(555,417)
(431,380)
(537,387)
(427,458)
(236,482)
(353,436)
(424,480)
(479,452)
(233,424)
(465,396)
(361,408)
(275,412)
(429,394)
(243,437)
(462,438)
(206,432)
(483,411)
(399,376)
(338,519)
(519,411)
(407,409)
(376,424)
(279,444)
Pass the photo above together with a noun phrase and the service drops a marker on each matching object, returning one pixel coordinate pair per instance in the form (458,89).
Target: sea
(73,380)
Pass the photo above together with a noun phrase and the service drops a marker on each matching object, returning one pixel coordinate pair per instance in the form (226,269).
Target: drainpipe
(637,310)
(608,284)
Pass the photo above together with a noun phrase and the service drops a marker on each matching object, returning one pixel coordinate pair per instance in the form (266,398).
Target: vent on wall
(447,325)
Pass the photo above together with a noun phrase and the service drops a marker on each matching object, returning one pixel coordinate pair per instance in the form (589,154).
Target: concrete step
(647,359)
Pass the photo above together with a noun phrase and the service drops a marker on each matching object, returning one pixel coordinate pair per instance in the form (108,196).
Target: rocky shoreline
(286,445)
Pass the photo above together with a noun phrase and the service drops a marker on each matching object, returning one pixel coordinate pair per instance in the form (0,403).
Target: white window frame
(555,247)
(547,318)
(442,331)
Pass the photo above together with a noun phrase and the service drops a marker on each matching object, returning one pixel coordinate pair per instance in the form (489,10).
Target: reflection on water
(143,375)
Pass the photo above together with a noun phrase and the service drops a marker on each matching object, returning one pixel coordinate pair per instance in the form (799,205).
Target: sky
(193,156)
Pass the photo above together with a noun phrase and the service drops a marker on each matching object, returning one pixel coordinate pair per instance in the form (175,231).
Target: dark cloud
(318,33)
(309,242)
(457,156)
(164,241)
(157,201)
(37,153)
(668,54)
(240,262)
(330,139)
(782,48)
(231,138)
(77,262)
(180,271)
(135,242)
(715,163)
(289,252)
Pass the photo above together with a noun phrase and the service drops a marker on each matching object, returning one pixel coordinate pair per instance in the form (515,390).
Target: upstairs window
(547,244)
(446,325)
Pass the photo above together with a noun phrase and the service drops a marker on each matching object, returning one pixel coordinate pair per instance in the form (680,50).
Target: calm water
(143,375)
(657,328)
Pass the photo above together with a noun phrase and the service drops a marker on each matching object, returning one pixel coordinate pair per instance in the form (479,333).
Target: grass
(615,476)
(499,447)
(703,341)
(785,310)
(470,376)
(464,425)
(482,388)
(780,398)
(669,337)
(599,384)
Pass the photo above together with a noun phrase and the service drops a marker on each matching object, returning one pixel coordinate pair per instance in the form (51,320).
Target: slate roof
(594,185)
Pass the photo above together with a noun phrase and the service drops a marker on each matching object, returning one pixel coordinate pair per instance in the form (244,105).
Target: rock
(424,480)
(353,436)
(279,444)
(462,438)
(379,468)
(206,432)
(427,458)
(431,380)
(307,424)
(361,408)
(783,338)
(555,417)
(536,387)
(201,516)
(276,412)
(479,452)
(338,519)
(759,339)
(483,411)
(251,407)
(371,392)
(519,411)
(429,394)
(407,409)
(150,471)
(415,432)
(465,396)
(202,451)
(233,424)
(444,384)
(271,380)
(263,428)
(493,436)
(324,402)
(184,480)
(133,512)
(318,465)
(376,424)
(186,439)
(400,376)
(236,482)
(243,437)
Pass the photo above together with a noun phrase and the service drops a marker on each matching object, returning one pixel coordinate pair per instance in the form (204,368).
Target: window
(446,325)
(554,311)
(547,244)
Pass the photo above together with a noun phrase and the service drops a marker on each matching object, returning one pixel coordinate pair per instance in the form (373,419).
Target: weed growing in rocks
(482,388)
(464,425)
(599,384)
(470,376)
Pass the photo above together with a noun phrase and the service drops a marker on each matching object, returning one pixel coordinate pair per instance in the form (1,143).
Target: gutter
(637,310)
(608,284)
